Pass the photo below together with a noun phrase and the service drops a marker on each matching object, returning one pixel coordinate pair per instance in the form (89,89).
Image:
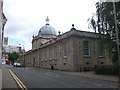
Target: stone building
(74,50)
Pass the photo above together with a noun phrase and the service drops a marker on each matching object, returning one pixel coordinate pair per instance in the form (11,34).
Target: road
(44,78)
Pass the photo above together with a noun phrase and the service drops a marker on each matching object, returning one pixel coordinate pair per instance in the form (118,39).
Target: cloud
(26,17)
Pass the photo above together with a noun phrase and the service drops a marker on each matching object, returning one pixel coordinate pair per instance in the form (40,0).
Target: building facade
(3,21)
(9,49)
(74,50)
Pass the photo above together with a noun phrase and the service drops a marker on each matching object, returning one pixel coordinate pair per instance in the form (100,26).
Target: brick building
(74,50)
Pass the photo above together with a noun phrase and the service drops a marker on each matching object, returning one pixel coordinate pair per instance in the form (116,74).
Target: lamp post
(23,54)
(117,39)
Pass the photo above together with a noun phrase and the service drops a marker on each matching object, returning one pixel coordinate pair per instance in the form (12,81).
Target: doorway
(52,67)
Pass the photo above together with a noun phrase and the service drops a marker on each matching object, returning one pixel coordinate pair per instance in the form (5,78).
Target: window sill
(55,58)
(101,56)
(87,56)
(64,56)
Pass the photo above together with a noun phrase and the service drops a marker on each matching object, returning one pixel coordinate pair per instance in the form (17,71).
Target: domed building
(45,34)
(74,50)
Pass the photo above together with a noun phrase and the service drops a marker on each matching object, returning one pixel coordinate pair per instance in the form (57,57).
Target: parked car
(16,64)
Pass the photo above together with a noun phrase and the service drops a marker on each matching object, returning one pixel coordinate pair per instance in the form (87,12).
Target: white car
(17,64)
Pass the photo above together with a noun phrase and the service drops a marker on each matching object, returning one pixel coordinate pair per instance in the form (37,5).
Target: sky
(26,17)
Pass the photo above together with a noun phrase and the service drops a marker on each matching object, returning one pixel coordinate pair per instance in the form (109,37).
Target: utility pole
(117,40)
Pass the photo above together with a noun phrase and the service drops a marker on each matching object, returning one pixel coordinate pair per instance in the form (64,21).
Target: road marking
(13,75)
(98,85)
(19,82)
(52,75)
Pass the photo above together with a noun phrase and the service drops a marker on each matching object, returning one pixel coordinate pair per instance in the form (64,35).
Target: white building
(11,48)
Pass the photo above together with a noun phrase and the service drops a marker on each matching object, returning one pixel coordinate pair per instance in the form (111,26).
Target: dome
(47,29)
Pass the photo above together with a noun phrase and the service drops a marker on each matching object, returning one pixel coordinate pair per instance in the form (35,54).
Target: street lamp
(117,40)
(23,54)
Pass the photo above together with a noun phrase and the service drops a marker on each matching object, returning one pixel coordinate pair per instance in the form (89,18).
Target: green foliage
(105,26)
(13,56)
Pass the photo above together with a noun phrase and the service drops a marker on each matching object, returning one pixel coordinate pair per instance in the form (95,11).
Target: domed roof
(47,29)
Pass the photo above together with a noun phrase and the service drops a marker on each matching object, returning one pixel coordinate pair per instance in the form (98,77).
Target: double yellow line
(21,85)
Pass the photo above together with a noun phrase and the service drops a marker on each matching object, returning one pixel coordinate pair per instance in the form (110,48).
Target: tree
(13,56)
(105,26)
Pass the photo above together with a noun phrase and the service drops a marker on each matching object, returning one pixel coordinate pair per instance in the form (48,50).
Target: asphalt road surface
(44,78)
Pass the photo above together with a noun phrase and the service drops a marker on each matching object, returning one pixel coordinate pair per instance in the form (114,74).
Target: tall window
(50,54)
(64,50)
(55,52)
(55,55)
(86,48)
(100,52)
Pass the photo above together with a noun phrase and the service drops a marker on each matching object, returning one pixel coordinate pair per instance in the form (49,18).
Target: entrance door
(52,67)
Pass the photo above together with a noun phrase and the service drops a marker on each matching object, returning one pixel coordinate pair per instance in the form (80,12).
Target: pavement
(91,74)
(7,79)
(0,78)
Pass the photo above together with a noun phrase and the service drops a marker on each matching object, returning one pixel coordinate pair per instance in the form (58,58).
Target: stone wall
(66,52)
